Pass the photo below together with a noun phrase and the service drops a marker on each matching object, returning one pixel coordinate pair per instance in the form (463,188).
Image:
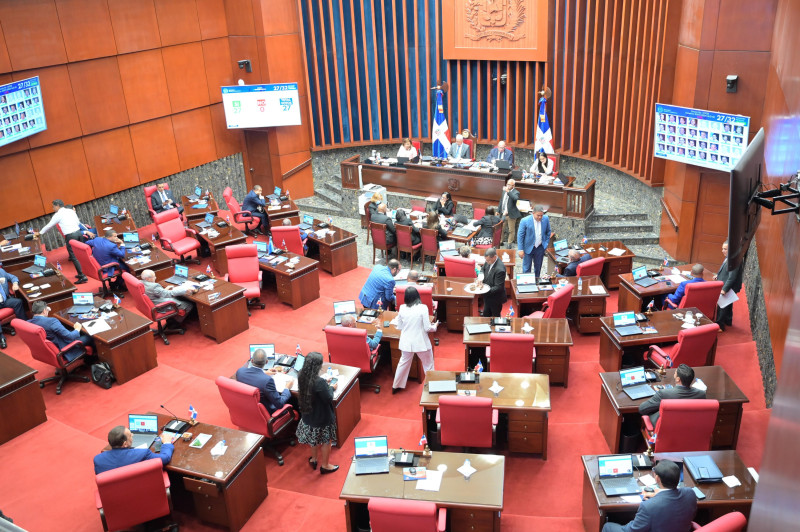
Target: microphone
(175,424)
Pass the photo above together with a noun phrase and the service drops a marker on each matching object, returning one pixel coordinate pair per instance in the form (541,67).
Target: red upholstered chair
(6,315)
(174,236)
(249,414)
(459,267)
(683,425)
(703,296)
(556,158)
(418,145)
(134,494)
(471,145)
(478,210)
(105,273)
(404,242)
(400,515)
(692,348)
(148,192)
(148,309)
(425,296)
(430,245)
(731,522)
(590,267)
(290,234)
(497,233)
(244,219)
(418,205)
(466,421)
(378,232)
(511,353)
(348,346)
(367,219)
(243,270)
(46,351)
(556,304)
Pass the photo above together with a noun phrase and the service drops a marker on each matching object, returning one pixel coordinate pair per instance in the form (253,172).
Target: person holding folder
(732,280)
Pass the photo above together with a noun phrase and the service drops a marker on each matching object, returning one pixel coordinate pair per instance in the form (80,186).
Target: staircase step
(627,238)
(652,255)
(619,227)
(627,217)
(317,205)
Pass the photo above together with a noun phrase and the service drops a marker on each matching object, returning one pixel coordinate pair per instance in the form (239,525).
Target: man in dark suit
(509,212)
(732,280)
(681,389)
(254,374)
(667,508)
(162,199)
(107,249)
(380,217)
(8,285)
(494,276)
(256,204)
(533,238)
(122,454)
(501,152)
(575,258)
(57,333)
(673,300)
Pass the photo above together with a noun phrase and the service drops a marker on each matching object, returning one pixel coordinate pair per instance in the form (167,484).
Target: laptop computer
(207,221)
(616,475)
(307,223)
(198,191)
(502,164)
(372,455)
(447,248)
(298,362)
(463,231)
(144,429)
(526,278)
(641,278)
(262,248)
(442,386)
(269,349)
(130,240)
(625,324)
(527,288)
(181,275)
(634,383)
(82,302)
(561,247)
(401,161)
(39,264)
(14,233)
(478,328)
(340,308)
(113,212)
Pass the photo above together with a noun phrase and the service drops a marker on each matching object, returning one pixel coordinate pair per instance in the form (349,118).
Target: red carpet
(49,482)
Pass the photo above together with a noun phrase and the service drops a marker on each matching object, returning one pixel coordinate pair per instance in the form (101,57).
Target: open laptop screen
(40,261)
(308,219)
(142,423)
(617,465)
(130,237)
(277,191)
(182,271)
(269,349)
(526,278)
(559,245)
(639,273)
(113,209)
(444,245)
(622,319)
(344,307)
(262,247)
(82,298)
(631,376)
(371,446)
(209,219)
(198,190)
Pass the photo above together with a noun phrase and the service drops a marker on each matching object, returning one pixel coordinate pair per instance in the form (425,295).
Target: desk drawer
(589,324)
(556,372)
(211,509)
(470,519)
(550,360)
(729,409)
(592,306)
(523,442)
(723,435)
(527,415)
(530,427)
(544,350)
(618,267)
(196,485)
(455,322)
(463,305)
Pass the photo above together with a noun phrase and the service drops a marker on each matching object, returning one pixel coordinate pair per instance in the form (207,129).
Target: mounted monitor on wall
(703,138)
(21,110)
(252,106)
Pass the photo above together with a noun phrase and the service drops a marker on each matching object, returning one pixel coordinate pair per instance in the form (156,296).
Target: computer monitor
(82,298)
(40,261)
(560,244)
(113,209)
(182,271)
(130,237)
(639,273)
(445,245)
(269,349)
(621,319)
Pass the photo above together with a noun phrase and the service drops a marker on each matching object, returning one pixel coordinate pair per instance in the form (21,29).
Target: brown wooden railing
(669,215)
(579,202)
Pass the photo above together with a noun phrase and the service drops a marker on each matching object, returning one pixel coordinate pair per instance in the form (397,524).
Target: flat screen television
(252,106)
(703,138)
(743,214)
(21,110)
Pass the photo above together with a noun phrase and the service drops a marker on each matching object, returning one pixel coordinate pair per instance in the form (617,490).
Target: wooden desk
(552,340)
(456,304)
(337,253)
(634,297)
(57,296)
(228,236)
(720,499)
(21,399)
(510,264)
(129,346)
(127,225)
(158,261)
(613,265)
(10,259)
(276,213)
(585,307)
(197,215)
(220,318)
(617,409)
(613,347)
(296,286)
(474,504)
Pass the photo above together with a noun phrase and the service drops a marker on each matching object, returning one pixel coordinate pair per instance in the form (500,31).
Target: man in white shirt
(70,226)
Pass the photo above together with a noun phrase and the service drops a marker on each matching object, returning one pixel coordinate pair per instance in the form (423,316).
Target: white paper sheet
(731,481)
(467,470)
(727,298)
(647,480)
(433,481)
(632,499)
(97,326)
(597,289)
(616,252)
(496,388)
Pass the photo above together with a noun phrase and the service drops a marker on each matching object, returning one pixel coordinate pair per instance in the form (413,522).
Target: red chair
(471,145)
(148,192)
(703,296)
(430,245)
(400,515)
(418,145)
(418,205)
(105,273)
(378,232)
(148,309)
(692,348)
(478,210)
(590,267)
(404,242)
(243,270)
(556,304)
(46,351)
(290,235)
(459,267)
(511,353)
(425,296)
(466,421)
(556,158)
(249,414)
(240,217)
(174,236)
(683,425)
(497,233)
(348,346)
(731,522)
(6,316)
(134,494)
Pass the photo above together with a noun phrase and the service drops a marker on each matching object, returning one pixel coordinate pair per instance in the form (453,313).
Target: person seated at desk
(433,223)
(107,249)
(500,152)
(407,150)
(349,320)
(57,333)
(372,206)
(254,374)
(681,389)
(9,284)
(459,149)
(401,218)
(413,277)
(445,205)
(464,251)
(380,285)
(158,294)
(542,168)
(122,454)
(485,236)
(303,234)
(380,217)
(162,199)
(255,203)
(575,258)
(667,509)
(673,300)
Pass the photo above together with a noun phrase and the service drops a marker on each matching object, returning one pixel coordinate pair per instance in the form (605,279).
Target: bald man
(502,153)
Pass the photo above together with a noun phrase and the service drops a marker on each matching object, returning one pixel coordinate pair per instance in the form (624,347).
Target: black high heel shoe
(323,471)
(312,463)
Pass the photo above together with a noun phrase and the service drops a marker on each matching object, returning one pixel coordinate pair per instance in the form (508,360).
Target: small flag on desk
(228,219)
(651,305)
(511,312)
(478,367)
(117,300)
(423,440)
(666,262)
(380,304)
(297,350)
(284,246)
(192,413)
(30,229)
(58,265)
(16,228)
(330,220)
(153,236)
(585,240)
(208,269)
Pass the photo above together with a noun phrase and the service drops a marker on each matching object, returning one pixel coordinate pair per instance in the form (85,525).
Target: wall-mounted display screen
(261,105)
(21,110)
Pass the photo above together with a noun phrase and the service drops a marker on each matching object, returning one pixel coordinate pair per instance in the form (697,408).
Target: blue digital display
(21,110)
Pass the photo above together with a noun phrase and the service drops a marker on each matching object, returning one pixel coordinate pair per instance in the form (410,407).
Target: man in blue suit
(255,203)
(667,509)
(57,333)
(122,454)
(533,238)
(380,285)
(254,374)
(107,249)
(575,258)
(8,285)
(502,153)
(673,300)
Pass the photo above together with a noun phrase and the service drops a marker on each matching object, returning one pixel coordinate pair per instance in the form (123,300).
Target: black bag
(102,375)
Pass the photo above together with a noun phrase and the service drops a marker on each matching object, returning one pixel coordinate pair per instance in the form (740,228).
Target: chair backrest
(169,225)
(511,353)
(136,290)
(425,296)
(378,232)
(289,234)
(703,295)
(242,263)
(400,515)
(730,522)
(244,405)
(148,192)
(693,345)
(555,158)
(133,494)
(466,421)
(89,264)
(558,302)
(469,143)
(418,145)
(35,338)
(497,234)
(367,212)
(418,205)
(459,267)
(230,201)
(403,233)
(478,210)
(685,425)
(430,240)
(591,267)
(348,346)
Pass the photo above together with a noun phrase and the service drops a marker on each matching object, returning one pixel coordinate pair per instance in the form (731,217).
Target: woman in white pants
(414,325)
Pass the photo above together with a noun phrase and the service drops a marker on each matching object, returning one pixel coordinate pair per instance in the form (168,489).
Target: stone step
(619,227)
(628,217)
(627,238)
(317,206)
(652,255)
(329,196)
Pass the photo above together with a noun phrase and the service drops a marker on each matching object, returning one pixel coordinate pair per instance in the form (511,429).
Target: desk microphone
(174,425)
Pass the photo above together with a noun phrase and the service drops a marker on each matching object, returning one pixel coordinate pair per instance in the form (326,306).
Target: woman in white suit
(414,324)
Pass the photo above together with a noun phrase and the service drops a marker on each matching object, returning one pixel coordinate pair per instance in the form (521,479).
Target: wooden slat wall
(604,70)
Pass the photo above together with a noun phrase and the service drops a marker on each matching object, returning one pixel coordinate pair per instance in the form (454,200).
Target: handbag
(102,375)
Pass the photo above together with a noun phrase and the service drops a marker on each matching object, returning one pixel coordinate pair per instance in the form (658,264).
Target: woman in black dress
(487,223)
(445,205)
(317,426)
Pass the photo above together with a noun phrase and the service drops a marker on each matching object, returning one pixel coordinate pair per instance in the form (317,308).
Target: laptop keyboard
(176,279)
(366,465)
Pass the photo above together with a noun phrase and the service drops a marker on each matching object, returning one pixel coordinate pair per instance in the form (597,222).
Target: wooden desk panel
(197,215)
(21,399)
(613,266)
(10,259)
(228,236)
(510,264)
(276,213)
(57,296)
(585,307)
(634,297)
(158,261)
(455,303)
(122,226)
(296,286)
(337,253)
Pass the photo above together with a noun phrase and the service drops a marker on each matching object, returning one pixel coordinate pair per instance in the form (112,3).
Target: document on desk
(727,298)
(280,382)
(677,279)
(634,499)
(597,289)
(96,326)
(616,252)
(432,482)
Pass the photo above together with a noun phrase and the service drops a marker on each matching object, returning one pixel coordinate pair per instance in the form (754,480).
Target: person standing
(414,325)
(494,276)
(509,212)
(255,203)
(317,426)
(732,280)
(380,285)
(70,226)
(533,238)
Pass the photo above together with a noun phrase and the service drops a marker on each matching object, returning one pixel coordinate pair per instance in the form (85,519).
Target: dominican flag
(423,440)
(58,265)
(666,262)
(585,239)
(297,350)
(208,269)
(478,367)
(440,134)
(544,137)
(117,300)
(192,413)
(511,312)
(380,304)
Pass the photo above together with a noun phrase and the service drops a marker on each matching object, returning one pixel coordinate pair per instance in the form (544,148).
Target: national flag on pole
(439,133)
(423,440)
(192,413)
(544,137)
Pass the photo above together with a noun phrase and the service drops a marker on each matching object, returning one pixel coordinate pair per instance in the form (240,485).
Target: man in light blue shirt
(349,320)
(380,285)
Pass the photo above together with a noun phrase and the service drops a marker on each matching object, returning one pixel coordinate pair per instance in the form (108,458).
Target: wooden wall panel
(227,141)
(211,16)
(177,21)
(32,45)
(293,138)
(135,25)
(194,138)
(111,162)
(86,26)
(219,67)
(62,173)
(25,203)
(239,14)
(245,48)
(186,76)
(154,148)
(99,97)
(144,84)
(5,60)
(711,228)
(745,18)
(752,68)
(59,105)
(280,18)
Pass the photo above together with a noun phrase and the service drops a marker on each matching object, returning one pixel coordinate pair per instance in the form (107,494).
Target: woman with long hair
(414,324)
(317,426)
(542,167)
(433,223)
(486,233)
(445,205)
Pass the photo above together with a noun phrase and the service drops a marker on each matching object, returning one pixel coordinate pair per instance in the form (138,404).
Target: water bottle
(330,373)
(580,284)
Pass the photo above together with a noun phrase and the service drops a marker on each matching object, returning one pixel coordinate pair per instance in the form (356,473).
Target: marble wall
(759,325)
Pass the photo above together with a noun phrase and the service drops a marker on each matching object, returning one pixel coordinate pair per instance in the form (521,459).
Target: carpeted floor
(49,481)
